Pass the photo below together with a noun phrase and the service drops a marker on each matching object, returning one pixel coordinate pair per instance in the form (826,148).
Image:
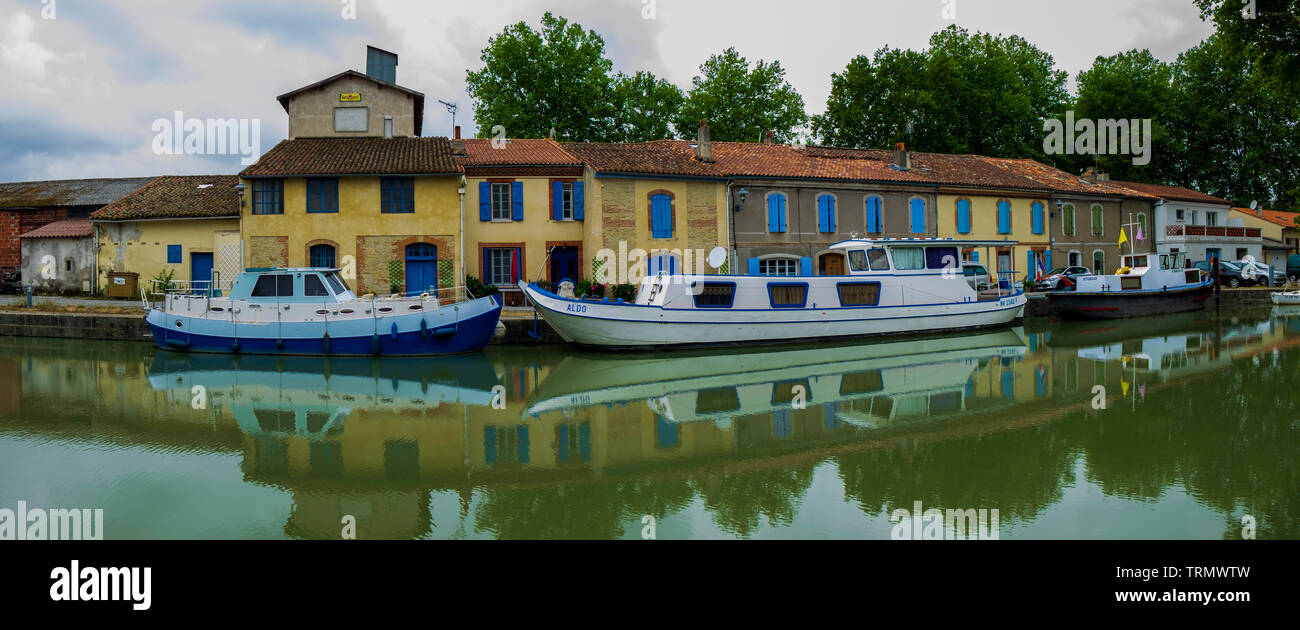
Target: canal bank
(519,326)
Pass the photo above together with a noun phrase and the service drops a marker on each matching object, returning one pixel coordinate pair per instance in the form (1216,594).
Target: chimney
(552,133)
(381,64)
(1103,177)
(902,157)
(770,138)
(1090,175)
(458,132)
(704,148)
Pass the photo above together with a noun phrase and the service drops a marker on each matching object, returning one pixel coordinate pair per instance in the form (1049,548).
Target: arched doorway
(421,268)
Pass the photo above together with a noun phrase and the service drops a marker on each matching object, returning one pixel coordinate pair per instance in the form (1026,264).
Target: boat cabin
(291,285)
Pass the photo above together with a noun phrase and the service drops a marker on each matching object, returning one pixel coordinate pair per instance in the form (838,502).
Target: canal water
(1162,428)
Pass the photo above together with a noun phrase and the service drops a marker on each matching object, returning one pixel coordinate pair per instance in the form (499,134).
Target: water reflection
(818,441)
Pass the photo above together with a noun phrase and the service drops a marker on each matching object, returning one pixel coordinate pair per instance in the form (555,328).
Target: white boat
(1286,298)
(894,286)
(1145,284)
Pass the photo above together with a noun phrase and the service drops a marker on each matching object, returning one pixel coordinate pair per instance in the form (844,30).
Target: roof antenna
(451,107)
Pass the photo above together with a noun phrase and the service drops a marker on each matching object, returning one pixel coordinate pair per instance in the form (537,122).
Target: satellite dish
(717,257)
(1254,205)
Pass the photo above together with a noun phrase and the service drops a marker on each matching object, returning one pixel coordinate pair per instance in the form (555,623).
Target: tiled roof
(418,96)
(530,152)
(68,192)
(748,159)
(171,197)
(1174,193)
(1278,217)
(661,157)
(357,156)
(67,228)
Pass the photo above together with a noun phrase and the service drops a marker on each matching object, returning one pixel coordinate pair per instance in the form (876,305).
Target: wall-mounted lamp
(241,188)
(741,196)
(1059,204)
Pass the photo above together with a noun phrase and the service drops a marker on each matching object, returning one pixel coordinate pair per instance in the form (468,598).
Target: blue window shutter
(579,201)
(517,199)
(490,445)
(963,217)
(873,215)
(918,216)
(562,442)
(783,225)
(823,214)
(1029,268)
(523,444)
(1004,217)
(830,213)
(174,254)
(661,216)
(557,201)
(1037,218)
(773,212)
(805,266)
(1047,260)
(484,271)
(584,442)
(753,266)
(484,201)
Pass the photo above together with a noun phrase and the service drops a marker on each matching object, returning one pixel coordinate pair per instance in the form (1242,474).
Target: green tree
(645,108)
(1127,86)
(533,81)
(741,104)
(1267,30)
(874,102)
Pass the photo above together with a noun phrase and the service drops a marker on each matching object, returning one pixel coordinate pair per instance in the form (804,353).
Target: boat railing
(444,295)
(155,293)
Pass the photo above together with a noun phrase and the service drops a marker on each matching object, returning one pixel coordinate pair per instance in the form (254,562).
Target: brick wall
(11,251)
(268,251)
(618,221)
(702,216)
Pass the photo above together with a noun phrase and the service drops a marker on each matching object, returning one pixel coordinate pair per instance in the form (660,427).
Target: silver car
(976,275)
(1259,272)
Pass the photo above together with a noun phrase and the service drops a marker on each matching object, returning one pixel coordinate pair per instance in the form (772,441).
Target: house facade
(1279,231)
(1199,225)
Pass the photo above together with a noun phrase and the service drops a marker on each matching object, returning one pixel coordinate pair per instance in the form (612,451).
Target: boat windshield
(336,283)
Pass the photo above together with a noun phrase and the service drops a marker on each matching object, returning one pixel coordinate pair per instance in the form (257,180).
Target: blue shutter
(661,216)
(485,271)
(773,204)
(1004,217)
(517,199)
(584,442)
(1031,269)
(579,202)
(918,216)
(1047,260)
(557,201)
(873,215)
(484,201)
(173,254)
(523,444)
(782,224)
(562,442)
(753,266)
(805,266)
(963,217)
(823,214)
(1036,218)
(830,213)
(489,445)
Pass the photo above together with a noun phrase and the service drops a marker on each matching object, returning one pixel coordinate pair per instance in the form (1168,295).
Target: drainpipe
(731,231)
(460,274)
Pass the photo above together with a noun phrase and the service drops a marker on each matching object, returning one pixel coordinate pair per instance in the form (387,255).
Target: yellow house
(187,227)
(386,211)
(1279,229)
(651,207)
(525,214)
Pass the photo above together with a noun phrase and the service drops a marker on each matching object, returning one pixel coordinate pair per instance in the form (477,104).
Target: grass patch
(51,307)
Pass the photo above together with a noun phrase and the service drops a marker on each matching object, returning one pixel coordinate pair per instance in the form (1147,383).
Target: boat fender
(234,347)
(424,328)
(374,345)
(325,343)
(279,344)
(394,331)
(444,331)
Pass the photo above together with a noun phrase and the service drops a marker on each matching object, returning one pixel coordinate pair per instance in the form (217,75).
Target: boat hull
(1287,299)
(464,328)
(612,324)
(1120,305)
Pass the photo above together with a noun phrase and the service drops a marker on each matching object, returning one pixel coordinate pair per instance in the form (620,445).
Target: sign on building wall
(350,97)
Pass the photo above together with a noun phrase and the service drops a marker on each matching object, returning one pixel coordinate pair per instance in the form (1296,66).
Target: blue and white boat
(313,312)
(894,286)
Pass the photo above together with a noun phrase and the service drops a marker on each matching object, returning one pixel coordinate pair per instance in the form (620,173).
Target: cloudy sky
(87,79)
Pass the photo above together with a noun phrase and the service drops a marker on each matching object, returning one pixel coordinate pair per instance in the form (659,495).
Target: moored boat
(1145,284)
(1287,298)
(893,286)
(313,312)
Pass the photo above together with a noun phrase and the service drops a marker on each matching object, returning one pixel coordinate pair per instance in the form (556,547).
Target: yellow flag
(1123,238)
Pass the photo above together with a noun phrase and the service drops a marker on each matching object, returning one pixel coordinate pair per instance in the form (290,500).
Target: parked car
(1229,274)
(1062,279)
(976,275)
(1260,272)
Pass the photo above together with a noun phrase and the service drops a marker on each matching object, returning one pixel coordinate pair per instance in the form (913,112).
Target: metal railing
(1212,230)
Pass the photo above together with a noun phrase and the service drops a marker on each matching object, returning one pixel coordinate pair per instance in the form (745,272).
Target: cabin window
(909,258)
(941,258)
(1138,261)
(397,194)
(787,295)
(778,267)
(710,401)
(861,383)
(858,260)
(715,295)
(273,286)
(879,260)
(313,287)
(859,293)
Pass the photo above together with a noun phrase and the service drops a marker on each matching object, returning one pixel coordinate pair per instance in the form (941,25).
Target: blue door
(421,268)
(201,271)
(564,264)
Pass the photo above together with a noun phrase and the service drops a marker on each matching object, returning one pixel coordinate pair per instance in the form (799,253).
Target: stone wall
(268,251)
(618,208)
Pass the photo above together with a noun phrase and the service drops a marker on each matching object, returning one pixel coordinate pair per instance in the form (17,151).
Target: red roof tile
(527,152)
(1278,217)
(67,228)
(171,197)
(357,156)
(661,157)
(1174,193)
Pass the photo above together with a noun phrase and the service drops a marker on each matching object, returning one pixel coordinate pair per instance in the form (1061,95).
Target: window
(501,202)
(1004,217)
(322,256)
(566,201)
(859,293)
(661,216)
(397,194)
(776,213)
(268,196)
(1067,219)
(1211,218)
(498,265)
(1180,215)
(337,284)
(918,215)
(963,216)
(313,287)
(1097,225)
(941,258)
(879,260)
(322,195)
(1036,222)
(715,295)
(1242,252)
(787,295)
(173,254)
(858,260)
(826,214)
(875,216)
(778,267)
(273,286)
(909,258)
(1098,262)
